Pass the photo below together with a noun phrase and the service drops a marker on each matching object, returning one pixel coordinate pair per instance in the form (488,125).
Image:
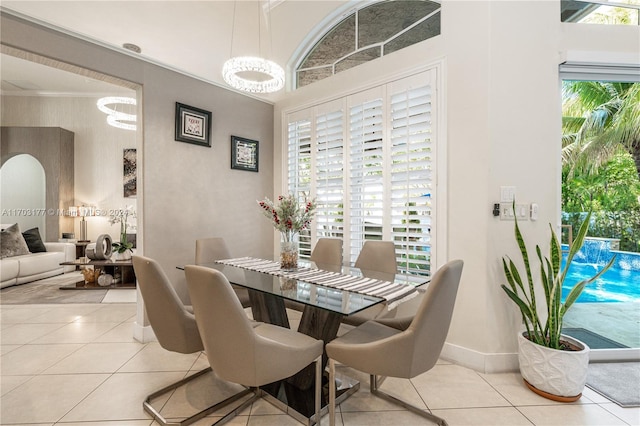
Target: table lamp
(82,211)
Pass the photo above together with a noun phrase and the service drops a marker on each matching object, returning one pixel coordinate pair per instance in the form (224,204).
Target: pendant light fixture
(237,70)
(116,118)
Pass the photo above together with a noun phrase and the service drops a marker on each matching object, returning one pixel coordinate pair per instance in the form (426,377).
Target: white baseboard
(508,362)
(478,361)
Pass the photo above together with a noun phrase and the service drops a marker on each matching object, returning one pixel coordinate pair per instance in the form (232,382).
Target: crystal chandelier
(250,73)
(241,64)
(116,118)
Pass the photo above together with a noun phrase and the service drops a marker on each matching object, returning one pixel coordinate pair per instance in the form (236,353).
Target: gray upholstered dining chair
(327,254)
(248,354)
(400,347)
(379,256)
(377,259)
(173,324)
(211,249)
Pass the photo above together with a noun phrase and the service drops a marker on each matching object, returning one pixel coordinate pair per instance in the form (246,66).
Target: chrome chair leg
(195,417)
(229,416)
(375,390)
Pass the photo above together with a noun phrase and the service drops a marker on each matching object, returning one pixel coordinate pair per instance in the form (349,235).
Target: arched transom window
(369,33)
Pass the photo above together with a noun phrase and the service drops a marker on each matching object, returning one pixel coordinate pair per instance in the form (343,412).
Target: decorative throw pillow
(33,240)
(12,242)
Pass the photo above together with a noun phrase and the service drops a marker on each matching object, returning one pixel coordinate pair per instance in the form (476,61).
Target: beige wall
(502,126)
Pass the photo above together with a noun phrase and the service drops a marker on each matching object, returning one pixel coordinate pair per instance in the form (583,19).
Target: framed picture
(244,154)
(129,172)
(193,125)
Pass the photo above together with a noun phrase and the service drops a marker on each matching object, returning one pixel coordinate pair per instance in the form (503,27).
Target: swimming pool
(615,285)
(621,283)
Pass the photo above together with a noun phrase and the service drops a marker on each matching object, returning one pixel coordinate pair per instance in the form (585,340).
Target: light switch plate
(507,212)
(507,194)
(534,211)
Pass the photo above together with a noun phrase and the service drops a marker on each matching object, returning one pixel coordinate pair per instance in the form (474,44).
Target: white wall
(22,185)
(98,149)
(503,124)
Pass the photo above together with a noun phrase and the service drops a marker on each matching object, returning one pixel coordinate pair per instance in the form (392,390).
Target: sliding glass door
(601,173)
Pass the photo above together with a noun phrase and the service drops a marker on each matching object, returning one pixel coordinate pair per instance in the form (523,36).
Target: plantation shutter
(369,160)
(411,183)
(299,169)
(329,171)
(366,174)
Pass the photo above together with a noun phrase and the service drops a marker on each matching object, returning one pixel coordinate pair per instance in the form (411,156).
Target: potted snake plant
(552,364)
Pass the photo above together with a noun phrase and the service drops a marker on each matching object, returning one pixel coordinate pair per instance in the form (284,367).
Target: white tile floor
(79,365)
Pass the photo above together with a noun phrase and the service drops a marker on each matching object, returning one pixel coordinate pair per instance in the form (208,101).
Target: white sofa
(34,266)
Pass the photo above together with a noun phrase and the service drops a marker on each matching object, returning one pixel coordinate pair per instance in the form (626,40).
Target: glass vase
(288,253)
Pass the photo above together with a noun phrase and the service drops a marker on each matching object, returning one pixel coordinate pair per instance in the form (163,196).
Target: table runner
(393,293)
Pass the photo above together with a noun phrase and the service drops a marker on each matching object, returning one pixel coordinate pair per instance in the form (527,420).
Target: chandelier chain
(259,30)
(233,29)
(270,30)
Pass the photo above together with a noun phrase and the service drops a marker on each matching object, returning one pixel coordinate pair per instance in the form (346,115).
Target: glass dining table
(325,294)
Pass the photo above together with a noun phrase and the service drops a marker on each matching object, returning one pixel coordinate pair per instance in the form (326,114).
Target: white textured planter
(555,372)
(122,256)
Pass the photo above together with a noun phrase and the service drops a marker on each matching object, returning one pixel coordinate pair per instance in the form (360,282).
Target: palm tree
(600,120)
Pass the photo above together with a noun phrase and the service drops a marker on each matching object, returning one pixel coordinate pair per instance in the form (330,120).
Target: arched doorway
(23,192)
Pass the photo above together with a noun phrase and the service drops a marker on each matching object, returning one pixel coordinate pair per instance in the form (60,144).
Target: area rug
(617,381)
(47,291)
(593,340)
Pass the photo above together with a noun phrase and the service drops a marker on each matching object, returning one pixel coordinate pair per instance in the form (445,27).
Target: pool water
(615,285)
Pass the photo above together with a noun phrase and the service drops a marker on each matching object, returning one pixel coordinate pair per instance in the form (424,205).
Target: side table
(120,268)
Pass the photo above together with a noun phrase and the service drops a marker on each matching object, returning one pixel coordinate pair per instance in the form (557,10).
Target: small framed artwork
(193,125)
(129,173)
(244,154)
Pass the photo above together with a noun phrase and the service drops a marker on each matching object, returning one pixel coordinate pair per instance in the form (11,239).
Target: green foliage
(612,194)
(613,15)
(523,292)
(601,158)
(123,246)
(599,120)
(613,187)
(624,225)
